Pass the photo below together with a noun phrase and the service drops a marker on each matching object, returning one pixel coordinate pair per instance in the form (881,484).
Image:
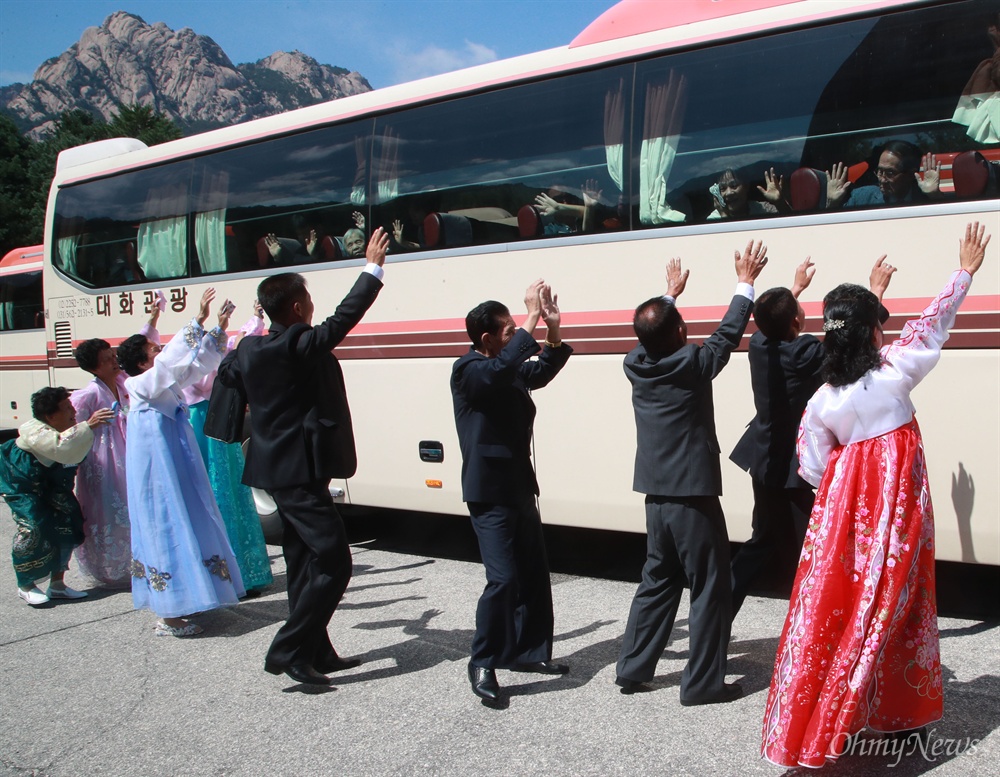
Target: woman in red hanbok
(860,643)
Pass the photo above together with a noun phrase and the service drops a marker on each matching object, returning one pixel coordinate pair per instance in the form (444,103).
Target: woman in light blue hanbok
(182,561)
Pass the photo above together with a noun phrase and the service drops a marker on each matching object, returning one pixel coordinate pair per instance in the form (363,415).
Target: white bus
(22,335)
(625,130)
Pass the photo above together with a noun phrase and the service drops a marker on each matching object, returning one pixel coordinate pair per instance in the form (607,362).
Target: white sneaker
(33,596)
(65,592)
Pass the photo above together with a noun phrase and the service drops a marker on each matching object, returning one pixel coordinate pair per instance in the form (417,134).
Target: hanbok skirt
(106,552)
(182,562)
(224,462)
(47,516)
(860,643)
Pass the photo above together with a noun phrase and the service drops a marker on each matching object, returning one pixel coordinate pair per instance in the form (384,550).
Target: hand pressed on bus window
(273,246)
(591,193)
(676,278)
(311,240)
(205,304)
(377,247)
(880,276)
(774,189)
(751,262)
(972,247)
(359,219)
(837,184)
(803,277)
(546,205)
(931,182)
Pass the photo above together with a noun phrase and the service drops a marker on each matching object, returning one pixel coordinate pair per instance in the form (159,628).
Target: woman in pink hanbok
(860,643)
(106,552)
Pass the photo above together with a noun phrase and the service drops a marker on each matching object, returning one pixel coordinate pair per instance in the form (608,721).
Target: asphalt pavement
(87,689)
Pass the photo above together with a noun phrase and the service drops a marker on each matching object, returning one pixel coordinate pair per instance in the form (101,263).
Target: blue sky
(387,41)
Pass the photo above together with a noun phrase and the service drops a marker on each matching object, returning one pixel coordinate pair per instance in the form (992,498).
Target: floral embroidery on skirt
(217,566)
(860,643)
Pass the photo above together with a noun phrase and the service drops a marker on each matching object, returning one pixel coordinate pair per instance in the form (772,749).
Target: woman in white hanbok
(181,559)
(859,648)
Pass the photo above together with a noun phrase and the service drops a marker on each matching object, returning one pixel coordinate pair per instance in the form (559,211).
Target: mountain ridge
(181,74)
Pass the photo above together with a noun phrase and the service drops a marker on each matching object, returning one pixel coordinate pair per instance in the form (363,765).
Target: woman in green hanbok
(36,479)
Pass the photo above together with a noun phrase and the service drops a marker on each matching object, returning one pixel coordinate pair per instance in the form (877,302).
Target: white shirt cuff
(745,290)
(377,271)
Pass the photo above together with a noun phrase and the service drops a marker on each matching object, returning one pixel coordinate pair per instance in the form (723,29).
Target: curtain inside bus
(210,223)
(662,120)
(162,240)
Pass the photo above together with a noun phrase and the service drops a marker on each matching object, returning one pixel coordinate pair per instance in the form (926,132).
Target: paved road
(86,689)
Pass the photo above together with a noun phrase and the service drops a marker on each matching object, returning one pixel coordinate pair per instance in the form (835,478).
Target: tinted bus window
(288,201)
(542,159)
(711,124)
(21,301)
(124,229)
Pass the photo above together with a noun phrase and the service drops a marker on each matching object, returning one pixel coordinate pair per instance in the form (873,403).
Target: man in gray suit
(677,467)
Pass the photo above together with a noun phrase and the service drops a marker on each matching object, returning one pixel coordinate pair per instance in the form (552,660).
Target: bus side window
(285,202)
(125,229)
(724,117)
(21,301)
(536,160)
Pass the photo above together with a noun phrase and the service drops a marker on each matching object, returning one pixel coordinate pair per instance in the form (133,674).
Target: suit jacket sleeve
(713,355)
(328,335)
(230,374)
(539,373)
(479,377)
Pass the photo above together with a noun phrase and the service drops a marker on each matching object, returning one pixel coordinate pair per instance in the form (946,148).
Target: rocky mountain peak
(182,74)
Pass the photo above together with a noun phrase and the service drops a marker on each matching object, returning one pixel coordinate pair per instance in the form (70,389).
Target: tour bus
(22,335)
(589,166)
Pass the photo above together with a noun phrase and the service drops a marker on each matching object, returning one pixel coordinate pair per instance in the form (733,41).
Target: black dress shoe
(541,667)
(730,692)
(335,663)
(484,683)
(628,687)
(301,673)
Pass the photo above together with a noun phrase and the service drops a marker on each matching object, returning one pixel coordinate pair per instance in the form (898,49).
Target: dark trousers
(685,537)
(780,519)
(514,620)
(318,567)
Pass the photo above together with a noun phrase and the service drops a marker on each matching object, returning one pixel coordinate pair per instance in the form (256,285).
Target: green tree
(73,128)
(15,156)
(143,123)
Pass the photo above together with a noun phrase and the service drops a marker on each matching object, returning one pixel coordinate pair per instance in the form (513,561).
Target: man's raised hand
(751,262)
(676,278)
(377,247)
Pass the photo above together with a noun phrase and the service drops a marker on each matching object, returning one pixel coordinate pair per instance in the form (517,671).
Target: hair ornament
(833,323)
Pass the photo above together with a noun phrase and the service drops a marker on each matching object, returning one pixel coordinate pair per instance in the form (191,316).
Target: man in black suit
(677,467)
(784,373)
(494,415)
(301,437)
